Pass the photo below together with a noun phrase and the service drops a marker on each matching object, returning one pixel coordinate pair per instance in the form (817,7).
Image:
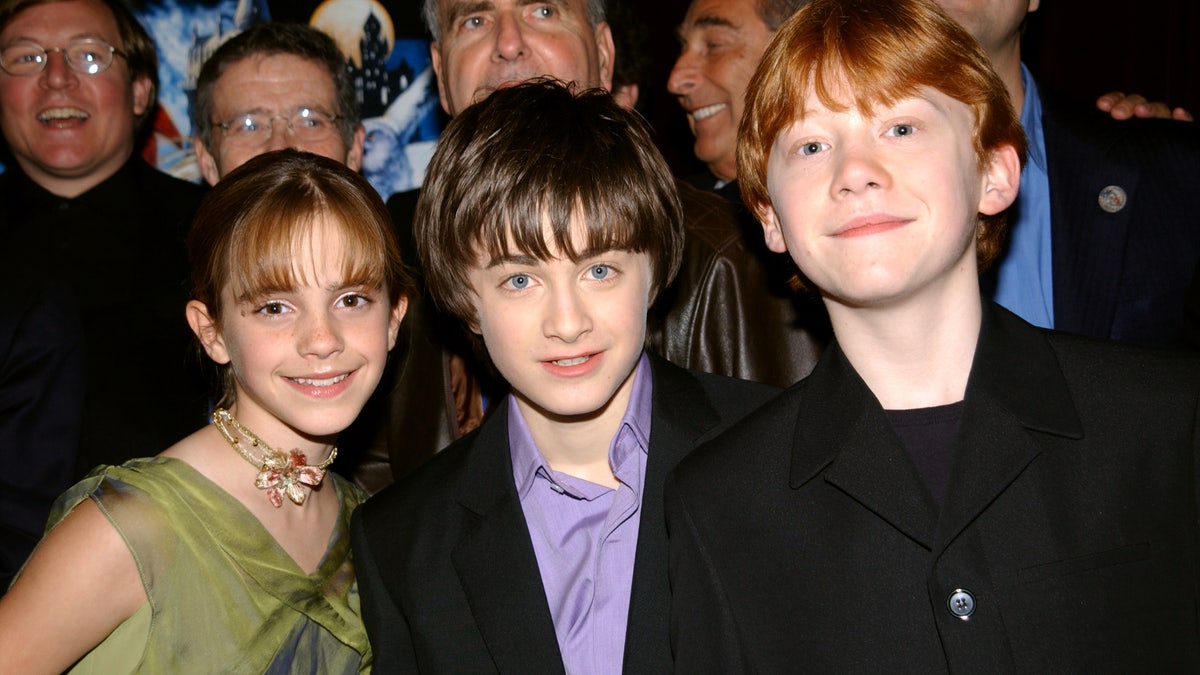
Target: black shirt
(119,251)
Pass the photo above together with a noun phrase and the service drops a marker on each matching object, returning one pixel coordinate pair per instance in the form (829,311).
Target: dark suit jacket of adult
(41,410)
(804,539)
(119,249)
(446,568)
(723,314)
(1122,275)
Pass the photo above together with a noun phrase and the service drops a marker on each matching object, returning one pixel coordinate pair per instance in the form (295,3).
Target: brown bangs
(521,172)
(255,224)
(266,257)
(522,225)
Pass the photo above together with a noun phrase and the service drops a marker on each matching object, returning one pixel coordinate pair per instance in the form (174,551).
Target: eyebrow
(706,21)
(71,39)
(530,260)
(260,110)
(458,10)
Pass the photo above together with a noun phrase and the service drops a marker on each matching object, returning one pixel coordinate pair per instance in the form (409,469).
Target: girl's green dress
(223,596)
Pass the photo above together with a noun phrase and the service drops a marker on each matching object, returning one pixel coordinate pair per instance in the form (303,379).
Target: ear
(772,233)
(606,54)
(397,315)
(626,96)
(1001,180)
(435,57)
(1033,6)
(208,163)
(354,153)
(142,87)
(472,325)
(207,331)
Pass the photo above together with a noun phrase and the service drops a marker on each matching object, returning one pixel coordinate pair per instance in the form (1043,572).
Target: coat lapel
(496,563)
(681,415)
(843,427)
(1016,386)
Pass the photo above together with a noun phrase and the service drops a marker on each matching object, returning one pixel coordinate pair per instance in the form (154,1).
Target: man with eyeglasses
(98,372)
(274,85)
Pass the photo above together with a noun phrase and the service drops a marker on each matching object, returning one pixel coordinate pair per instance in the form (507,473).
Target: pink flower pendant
(288,475)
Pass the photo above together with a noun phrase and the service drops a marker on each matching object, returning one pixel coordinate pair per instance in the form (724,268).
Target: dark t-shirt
(928,434)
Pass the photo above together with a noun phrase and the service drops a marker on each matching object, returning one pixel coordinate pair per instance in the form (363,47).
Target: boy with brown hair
(548,223)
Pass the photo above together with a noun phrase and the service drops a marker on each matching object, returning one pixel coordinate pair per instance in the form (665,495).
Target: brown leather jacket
(730,310)
(727,312)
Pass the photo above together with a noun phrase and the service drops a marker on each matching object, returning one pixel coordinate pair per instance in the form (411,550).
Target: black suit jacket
(41,410)
(804,538)
(446,568)
(1122,275)
(119,250)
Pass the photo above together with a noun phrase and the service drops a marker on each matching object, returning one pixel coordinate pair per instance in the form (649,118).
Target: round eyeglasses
(308,125)
(90,56)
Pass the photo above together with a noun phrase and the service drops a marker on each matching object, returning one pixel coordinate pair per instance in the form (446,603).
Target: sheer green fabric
(224,597)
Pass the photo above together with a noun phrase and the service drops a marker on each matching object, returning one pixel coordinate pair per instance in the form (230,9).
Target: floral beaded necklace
(279,473)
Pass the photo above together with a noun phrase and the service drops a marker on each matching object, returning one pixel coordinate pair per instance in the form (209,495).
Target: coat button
(961,603)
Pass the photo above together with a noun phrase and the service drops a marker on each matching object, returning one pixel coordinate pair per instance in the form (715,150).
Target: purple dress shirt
(585,535)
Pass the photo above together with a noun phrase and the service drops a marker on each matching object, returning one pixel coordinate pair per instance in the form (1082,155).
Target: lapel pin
(1112,199)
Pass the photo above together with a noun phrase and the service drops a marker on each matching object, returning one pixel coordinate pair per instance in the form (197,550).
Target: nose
(567,317)
(319,335)
(682,79)
(510,38)
(281,135)
(57,74)
(858,170)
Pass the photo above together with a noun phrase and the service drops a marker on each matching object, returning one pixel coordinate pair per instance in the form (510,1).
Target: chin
(329,424)
(575,407)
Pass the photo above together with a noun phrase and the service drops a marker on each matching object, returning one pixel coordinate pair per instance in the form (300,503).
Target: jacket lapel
(1016,386)
(681,415)
(495,561)
(842,426)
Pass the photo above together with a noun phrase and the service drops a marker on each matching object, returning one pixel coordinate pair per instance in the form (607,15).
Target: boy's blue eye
(811,148)
(599,271)
(519,281)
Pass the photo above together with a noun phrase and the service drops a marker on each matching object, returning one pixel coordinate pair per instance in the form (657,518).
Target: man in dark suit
(952,489)
(537,543)
(1105,237)
(41,383)
(88,223)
